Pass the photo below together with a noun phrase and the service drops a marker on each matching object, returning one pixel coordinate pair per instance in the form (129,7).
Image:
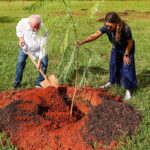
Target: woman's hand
(127,60)
(77,44)
(89,39)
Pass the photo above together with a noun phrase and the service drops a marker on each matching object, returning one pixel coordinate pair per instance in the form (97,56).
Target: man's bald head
(34,21)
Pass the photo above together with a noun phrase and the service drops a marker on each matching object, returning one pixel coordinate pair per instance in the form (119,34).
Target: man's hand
(21,41)
(39,64)
(127,60)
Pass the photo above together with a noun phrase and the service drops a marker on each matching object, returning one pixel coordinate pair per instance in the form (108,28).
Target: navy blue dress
(119,72)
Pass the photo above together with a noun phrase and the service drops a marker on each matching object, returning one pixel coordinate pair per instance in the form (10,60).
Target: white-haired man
(27,31)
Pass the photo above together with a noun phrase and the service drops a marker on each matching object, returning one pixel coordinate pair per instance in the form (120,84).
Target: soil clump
(36,119)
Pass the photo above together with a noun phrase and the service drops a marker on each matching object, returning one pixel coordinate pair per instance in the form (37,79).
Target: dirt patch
(101,19)
(127,12)
(123,14)
(148,12)
(104,56)
(40,118)
(63,13)
(83,9)
(58,13)
(77,14)
(130,11)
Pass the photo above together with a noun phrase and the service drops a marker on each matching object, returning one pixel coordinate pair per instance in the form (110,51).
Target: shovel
(49,81)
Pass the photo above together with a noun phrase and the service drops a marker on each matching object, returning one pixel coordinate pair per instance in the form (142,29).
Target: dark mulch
(110,120)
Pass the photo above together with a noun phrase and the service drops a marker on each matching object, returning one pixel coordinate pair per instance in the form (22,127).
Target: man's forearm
(39,64)
(21,39)
(40,60)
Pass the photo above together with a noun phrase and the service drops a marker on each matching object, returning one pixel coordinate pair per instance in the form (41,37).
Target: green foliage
(94,9)
(67,68)
(64,44)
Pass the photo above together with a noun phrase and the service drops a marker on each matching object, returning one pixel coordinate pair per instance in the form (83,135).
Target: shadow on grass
(144,79)
(92,70)
(7,19)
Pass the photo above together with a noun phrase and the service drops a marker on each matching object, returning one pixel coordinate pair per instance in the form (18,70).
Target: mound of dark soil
(110,120)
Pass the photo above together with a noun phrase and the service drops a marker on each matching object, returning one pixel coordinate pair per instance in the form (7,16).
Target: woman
(122,66)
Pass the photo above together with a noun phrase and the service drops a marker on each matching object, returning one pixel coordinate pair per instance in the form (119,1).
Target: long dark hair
(113,17)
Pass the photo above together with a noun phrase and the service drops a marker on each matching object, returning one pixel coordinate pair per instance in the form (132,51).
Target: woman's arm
(129,46)
(127,60)
(89,39)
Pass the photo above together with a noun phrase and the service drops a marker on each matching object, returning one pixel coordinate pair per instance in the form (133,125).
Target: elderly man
(27,31)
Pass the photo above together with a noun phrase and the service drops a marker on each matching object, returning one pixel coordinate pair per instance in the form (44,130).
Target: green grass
(5,143)
(138,20)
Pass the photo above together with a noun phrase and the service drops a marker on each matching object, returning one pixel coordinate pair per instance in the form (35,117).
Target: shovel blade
(52,81)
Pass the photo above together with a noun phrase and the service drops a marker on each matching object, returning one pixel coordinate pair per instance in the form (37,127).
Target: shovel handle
(43,74)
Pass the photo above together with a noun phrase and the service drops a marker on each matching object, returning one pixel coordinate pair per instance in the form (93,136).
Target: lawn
(93,57)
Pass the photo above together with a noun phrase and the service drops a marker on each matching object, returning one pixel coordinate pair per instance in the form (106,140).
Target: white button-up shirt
(35,43)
